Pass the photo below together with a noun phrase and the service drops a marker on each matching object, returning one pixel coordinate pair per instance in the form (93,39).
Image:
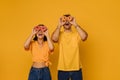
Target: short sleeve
(31,44)
(61,32)
(47,48)
(78,36)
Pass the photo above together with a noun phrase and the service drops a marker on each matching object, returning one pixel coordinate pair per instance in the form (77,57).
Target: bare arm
(28,41)
(50,44)
(83,34)
(55,35)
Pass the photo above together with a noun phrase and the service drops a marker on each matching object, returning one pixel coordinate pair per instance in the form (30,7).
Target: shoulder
(61,32)
(46,43)
(75,33)
(33,42)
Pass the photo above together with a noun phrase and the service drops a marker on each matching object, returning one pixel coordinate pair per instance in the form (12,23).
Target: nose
(67,22)
(40,31)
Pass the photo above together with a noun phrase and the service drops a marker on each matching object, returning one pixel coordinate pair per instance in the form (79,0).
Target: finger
(63,23)
(73,18)
(60,20)
(46,30)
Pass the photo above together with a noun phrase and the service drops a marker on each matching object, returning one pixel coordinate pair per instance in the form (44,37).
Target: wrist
(76,25)
(47,36)
(58,27)
(32,34)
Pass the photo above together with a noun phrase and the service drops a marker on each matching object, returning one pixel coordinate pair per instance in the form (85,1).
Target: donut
(69,18)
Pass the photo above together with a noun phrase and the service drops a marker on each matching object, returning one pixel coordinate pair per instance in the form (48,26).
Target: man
(69,65)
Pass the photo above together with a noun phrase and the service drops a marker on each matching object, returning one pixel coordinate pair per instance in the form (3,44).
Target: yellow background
(100,54)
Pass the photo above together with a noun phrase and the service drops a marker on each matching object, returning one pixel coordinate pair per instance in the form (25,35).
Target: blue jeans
(70,75)
(39,74)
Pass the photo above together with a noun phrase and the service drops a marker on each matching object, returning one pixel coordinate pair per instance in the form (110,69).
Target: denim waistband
(39,73)
(36,69)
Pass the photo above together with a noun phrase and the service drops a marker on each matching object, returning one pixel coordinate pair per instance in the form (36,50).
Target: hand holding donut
(40,28)
(67,18)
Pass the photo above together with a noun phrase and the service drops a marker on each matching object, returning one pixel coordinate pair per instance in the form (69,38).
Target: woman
(41,47)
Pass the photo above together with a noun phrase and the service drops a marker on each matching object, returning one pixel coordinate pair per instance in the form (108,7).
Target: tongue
(39,34)
(66,24)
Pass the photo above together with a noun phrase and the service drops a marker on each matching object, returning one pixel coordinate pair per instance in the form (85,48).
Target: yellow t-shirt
(40,54)
(69,58)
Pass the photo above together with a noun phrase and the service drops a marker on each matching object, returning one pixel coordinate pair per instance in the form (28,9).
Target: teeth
(67,24)
(39,34)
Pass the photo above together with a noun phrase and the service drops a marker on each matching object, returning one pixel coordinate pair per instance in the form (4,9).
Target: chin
(41,37)
(67,27)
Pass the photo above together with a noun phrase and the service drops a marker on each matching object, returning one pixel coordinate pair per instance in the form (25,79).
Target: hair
(36,38)
(67,15)
(40,24)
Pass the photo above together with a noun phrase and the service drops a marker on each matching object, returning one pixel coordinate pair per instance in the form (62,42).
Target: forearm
(50,44)
(28,41)
(55,35)
(83,34)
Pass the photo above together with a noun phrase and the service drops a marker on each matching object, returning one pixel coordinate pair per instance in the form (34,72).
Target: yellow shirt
(40,54)
(69,58)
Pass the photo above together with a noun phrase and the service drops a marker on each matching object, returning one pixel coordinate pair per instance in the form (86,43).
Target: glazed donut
(63,18)
(69,18)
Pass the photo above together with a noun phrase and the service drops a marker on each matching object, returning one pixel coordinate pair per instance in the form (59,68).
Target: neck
(68,30)
(40,41)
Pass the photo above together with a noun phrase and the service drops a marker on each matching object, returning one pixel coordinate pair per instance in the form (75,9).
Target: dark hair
(40,24)
(67,15)
(36,38)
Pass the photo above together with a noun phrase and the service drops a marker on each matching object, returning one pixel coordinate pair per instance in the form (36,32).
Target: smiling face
(40,31)
(67,19)
(40,35)
(67,25)
(40,28)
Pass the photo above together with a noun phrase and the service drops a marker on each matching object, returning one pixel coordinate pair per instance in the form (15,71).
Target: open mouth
(67,24)
(40,34)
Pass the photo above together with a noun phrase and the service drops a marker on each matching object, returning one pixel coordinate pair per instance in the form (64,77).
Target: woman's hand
(34,31)
(46,33)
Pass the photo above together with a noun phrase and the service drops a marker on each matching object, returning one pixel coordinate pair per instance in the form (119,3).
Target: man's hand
(61,23)
(73,22)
